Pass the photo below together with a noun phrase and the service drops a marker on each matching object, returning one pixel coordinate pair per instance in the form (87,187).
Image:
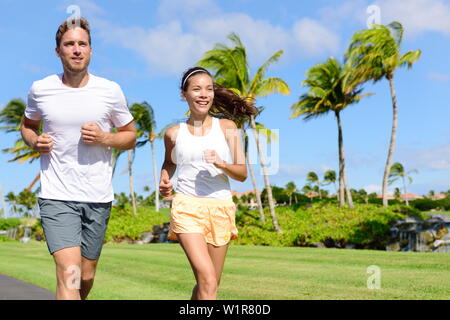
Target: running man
(77,111)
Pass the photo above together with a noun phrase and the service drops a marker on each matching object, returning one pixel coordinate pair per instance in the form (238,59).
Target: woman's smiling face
(199,93)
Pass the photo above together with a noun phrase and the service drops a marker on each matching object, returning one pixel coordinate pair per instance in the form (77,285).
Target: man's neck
(75,79)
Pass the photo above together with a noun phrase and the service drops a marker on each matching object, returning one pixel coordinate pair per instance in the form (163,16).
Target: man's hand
(165,187)
(43,144)
(92,134)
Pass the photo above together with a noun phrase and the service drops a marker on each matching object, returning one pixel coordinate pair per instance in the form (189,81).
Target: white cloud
(186,9)
(293,169)
(181,38)
(441,77)
(313,38)
(36,69)
(437,158)
(417,16)
(261,38)
(87,8)
(371,188)
(344,12)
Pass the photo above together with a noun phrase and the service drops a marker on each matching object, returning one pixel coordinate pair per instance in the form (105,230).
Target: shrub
(6,239)
(9,223)
(366,226)
(123,225)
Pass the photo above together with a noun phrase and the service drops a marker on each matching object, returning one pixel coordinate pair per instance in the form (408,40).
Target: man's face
(74,50)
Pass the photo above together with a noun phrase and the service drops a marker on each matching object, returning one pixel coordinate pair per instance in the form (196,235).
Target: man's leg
(88,268)
(95,217)
(68,273)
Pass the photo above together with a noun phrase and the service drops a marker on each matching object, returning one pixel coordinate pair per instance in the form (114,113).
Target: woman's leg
(196,249)
(217,255)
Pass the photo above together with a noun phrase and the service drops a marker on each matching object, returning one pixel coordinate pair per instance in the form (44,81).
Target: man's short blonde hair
(66,25)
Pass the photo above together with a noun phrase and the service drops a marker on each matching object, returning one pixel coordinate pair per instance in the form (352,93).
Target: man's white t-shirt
(75,171)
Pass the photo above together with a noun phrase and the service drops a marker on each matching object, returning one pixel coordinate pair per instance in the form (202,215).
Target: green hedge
(428,204)
(123,225)
(9,223)
(6,239)
(365,226)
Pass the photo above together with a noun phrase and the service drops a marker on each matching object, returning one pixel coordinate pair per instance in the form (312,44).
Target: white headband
(190,74)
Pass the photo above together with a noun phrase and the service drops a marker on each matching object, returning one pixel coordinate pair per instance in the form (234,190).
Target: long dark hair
(226,103)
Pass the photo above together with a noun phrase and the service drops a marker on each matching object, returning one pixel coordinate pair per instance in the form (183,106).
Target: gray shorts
(75,224)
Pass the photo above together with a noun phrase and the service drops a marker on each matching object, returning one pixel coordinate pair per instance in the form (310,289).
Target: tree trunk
(347,190)
(255,187)
(3,202)
(337,193)
(341,162)
(404,188)
(36,179)
(155,177)
(266,177)
(387,169)
(130,172)
(342,174)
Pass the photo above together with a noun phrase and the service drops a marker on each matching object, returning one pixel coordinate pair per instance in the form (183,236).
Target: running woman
(207,151)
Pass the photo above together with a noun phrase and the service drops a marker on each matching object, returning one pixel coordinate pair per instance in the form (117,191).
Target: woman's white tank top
(196,177)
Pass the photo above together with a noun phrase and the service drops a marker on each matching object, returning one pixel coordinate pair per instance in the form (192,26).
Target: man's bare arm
(30,134)
(124,139)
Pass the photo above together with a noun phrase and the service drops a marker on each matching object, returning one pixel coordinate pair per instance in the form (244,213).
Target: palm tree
(307,188)
(329,177)
(232,71)
(290,189)
(363,194)
(312,179)
(374,54)
(11,115)
(328,92)
(398,172)
(144,118)
(131,154)
(253,178)
(270,135)
(397,193)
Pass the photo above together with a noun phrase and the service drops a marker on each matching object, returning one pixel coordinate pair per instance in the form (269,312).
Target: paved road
(14,289)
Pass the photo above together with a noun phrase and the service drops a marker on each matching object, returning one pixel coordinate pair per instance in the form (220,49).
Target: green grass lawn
(161,271)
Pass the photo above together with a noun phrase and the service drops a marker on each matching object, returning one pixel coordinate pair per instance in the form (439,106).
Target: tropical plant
(11,116)
(21,204)
(330,177)
(290,189)
(398,172)
(374,54)
(131,154)
(144,119)
(313,179)
(328,92)
(233,72)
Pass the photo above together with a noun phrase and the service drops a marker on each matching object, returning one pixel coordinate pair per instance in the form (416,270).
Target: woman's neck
(199,120)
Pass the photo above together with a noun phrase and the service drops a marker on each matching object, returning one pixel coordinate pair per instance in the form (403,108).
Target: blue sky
(146,45)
